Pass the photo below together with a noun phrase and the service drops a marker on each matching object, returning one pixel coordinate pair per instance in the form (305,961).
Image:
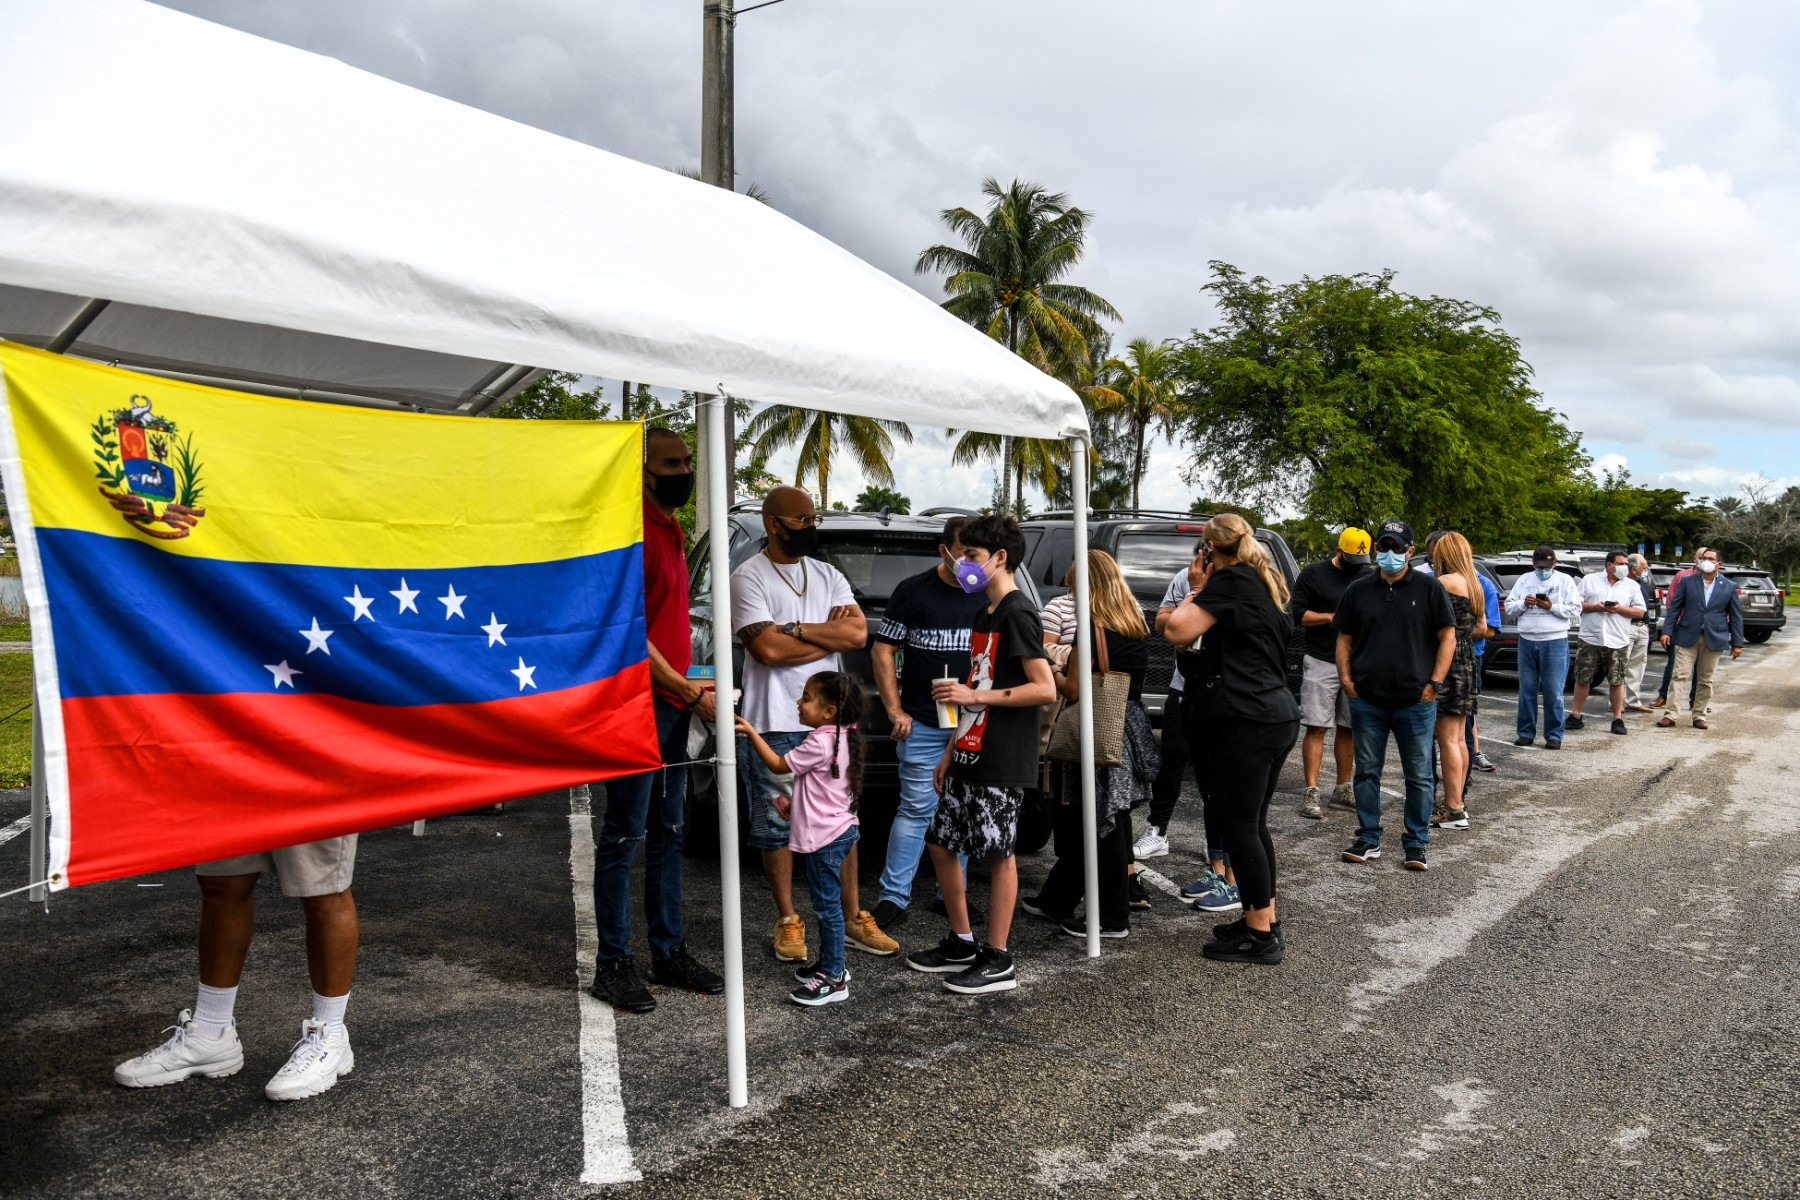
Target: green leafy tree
(1007,278)
(1205,507)
(1356,402)
(554,397)
(874,499)
(869,442)
(1143,388)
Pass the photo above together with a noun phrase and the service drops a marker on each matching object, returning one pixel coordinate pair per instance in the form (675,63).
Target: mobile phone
(1544,596)
(1612,604)
(1206,553)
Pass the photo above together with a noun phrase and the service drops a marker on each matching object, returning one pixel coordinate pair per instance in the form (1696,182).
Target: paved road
(1592,992)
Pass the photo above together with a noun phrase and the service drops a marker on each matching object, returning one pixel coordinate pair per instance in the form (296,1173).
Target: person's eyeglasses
(807,521)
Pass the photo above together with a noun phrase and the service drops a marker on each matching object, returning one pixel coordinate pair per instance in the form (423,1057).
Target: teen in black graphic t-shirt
(993,745)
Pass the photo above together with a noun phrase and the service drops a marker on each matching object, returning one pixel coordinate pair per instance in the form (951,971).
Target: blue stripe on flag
(131,619)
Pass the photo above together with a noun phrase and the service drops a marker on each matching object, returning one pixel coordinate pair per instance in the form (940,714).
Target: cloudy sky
(1620,180)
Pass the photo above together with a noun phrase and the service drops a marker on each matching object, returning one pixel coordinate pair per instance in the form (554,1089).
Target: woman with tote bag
(1237,702)
(1121,656)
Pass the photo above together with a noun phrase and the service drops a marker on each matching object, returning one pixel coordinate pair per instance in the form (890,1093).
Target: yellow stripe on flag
(288,481)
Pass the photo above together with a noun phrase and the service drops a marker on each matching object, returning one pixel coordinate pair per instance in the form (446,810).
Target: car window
(876,562)
(1149,560)
(1753,583)
(1061,554)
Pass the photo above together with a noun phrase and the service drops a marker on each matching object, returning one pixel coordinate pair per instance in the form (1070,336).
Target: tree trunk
(824,462)
(1137,464)
(1019,494)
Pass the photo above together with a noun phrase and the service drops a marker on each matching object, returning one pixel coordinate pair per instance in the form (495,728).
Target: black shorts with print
(976,819)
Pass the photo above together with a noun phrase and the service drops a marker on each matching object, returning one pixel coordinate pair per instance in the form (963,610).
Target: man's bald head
(785,501)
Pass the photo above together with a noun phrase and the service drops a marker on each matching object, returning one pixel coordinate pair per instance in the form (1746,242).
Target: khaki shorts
(309,869)
(1322,699)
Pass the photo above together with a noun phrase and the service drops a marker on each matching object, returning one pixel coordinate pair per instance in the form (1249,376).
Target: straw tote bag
(1111,691)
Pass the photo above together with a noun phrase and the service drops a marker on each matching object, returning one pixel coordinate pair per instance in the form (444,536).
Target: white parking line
(14,830)
(605,1142)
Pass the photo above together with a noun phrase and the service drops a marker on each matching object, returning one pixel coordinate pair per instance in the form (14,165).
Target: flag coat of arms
(261,622)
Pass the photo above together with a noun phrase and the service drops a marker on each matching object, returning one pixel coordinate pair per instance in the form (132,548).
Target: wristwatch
(793,630)
(1436,685)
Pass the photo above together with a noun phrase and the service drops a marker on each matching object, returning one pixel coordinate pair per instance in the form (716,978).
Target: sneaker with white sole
(1154,844)
(1207,881)
(822,989)
(1343,797)
(1309,806)
(1222,898)
(184,1055)
(319,1060)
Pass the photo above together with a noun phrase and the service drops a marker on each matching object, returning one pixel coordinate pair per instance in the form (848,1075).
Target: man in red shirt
(648,807)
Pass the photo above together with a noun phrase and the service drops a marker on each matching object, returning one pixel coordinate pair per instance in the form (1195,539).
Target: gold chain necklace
(805,580)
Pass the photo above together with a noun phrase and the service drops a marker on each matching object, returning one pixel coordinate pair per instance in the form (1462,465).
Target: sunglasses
(807,522)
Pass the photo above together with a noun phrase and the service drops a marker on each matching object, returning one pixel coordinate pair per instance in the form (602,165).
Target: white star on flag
(360,603)
(494,628)
(285,674)
(405,596)
(524,673)
(316,638)
(452,603)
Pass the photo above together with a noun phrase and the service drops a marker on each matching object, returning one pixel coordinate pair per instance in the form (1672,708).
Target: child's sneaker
(802,974)
(185,1054)
(992,971)
(947,957)
(822,989)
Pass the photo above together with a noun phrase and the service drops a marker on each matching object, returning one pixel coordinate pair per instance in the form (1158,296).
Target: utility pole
(717,167)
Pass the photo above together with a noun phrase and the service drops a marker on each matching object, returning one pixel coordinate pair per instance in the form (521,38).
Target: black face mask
(672,491)
(798,543)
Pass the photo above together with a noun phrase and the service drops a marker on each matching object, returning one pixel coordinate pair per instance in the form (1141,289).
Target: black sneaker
(1553,743)
(1361,852)
(805,973)
(678,969)
(1139,895)
(889,916)
(1226,931)
(1077,927)
(1036,907)
(947,957)
(1522,741)
(1574,721)
(618,984)
(976,916)
(1415,859)
(1247,947)
(992,972)
(1618,726)
(821,989)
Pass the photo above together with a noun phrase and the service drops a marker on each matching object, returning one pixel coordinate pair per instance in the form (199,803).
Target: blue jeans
(824,870)
(918,754)
(645,807)
(757,784)
(1543,666)
(1411,726)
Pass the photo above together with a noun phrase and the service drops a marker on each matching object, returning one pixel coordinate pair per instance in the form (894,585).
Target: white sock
(330,1009)
(967,937)
(212,1011)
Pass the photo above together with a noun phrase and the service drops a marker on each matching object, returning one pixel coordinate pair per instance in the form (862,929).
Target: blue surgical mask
(972,575)
(1545,572)
(1390,561)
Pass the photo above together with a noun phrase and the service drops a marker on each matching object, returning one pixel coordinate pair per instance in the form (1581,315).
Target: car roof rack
(1112,514)
(949,510)
(1596,547)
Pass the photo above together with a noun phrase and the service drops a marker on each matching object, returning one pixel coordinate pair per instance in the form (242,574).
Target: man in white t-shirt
(793,613)
(1610,601)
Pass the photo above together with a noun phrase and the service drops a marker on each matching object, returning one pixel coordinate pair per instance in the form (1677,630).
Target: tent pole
(40,812)
(725,739)
(1084,666)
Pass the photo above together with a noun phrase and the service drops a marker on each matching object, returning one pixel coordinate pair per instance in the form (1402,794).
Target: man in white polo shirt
(1610,601)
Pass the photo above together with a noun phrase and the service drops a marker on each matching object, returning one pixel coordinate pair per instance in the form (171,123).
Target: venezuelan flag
(262,622)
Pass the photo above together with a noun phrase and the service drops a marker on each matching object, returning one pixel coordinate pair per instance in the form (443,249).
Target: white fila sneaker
(186,1053)
(319,1058)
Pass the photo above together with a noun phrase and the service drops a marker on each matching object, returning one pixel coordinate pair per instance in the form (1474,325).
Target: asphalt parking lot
(1592,993)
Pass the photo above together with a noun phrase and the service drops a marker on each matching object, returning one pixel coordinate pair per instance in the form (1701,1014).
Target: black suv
(1149,548)
(875,551)
(1763,600)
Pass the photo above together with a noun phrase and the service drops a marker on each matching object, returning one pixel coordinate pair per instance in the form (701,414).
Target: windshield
(875,563)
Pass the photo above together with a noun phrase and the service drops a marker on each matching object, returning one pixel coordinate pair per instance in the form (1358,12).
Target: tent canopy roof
(259,213)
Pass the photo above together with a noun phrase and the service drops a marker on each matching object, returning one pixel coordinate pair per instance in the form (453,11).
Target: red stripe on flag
(169,780)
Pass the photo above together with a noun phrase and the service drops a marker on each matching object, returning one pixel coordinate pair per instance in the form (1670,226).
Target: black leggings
(1066,884)
(1247,757)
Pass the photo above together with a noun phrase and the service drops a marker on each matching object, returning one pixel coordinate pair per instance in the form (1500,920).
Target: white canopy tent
(180,197)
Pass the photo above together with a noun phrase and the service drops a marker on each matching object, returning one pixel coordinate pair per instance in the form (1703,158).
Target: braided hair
(844,693)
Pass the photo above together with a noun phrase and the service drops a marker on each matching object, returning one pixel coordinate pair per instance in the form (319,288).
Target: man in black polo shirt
(1396,636)
(1323,702)
(926,627)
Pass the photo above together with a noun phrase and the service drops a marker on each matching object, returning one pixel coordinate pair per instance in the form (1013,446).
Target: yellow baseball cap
(1355,544)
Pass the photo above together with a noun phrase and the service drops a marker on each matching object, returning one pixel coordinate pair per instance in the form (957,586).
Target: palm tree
(1143,389)
(1038,461)
(820,435)
(1005,280)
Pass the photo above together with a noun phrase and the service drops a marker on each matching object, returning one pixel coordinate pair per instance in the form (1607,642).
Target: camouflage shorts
(1590,660)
